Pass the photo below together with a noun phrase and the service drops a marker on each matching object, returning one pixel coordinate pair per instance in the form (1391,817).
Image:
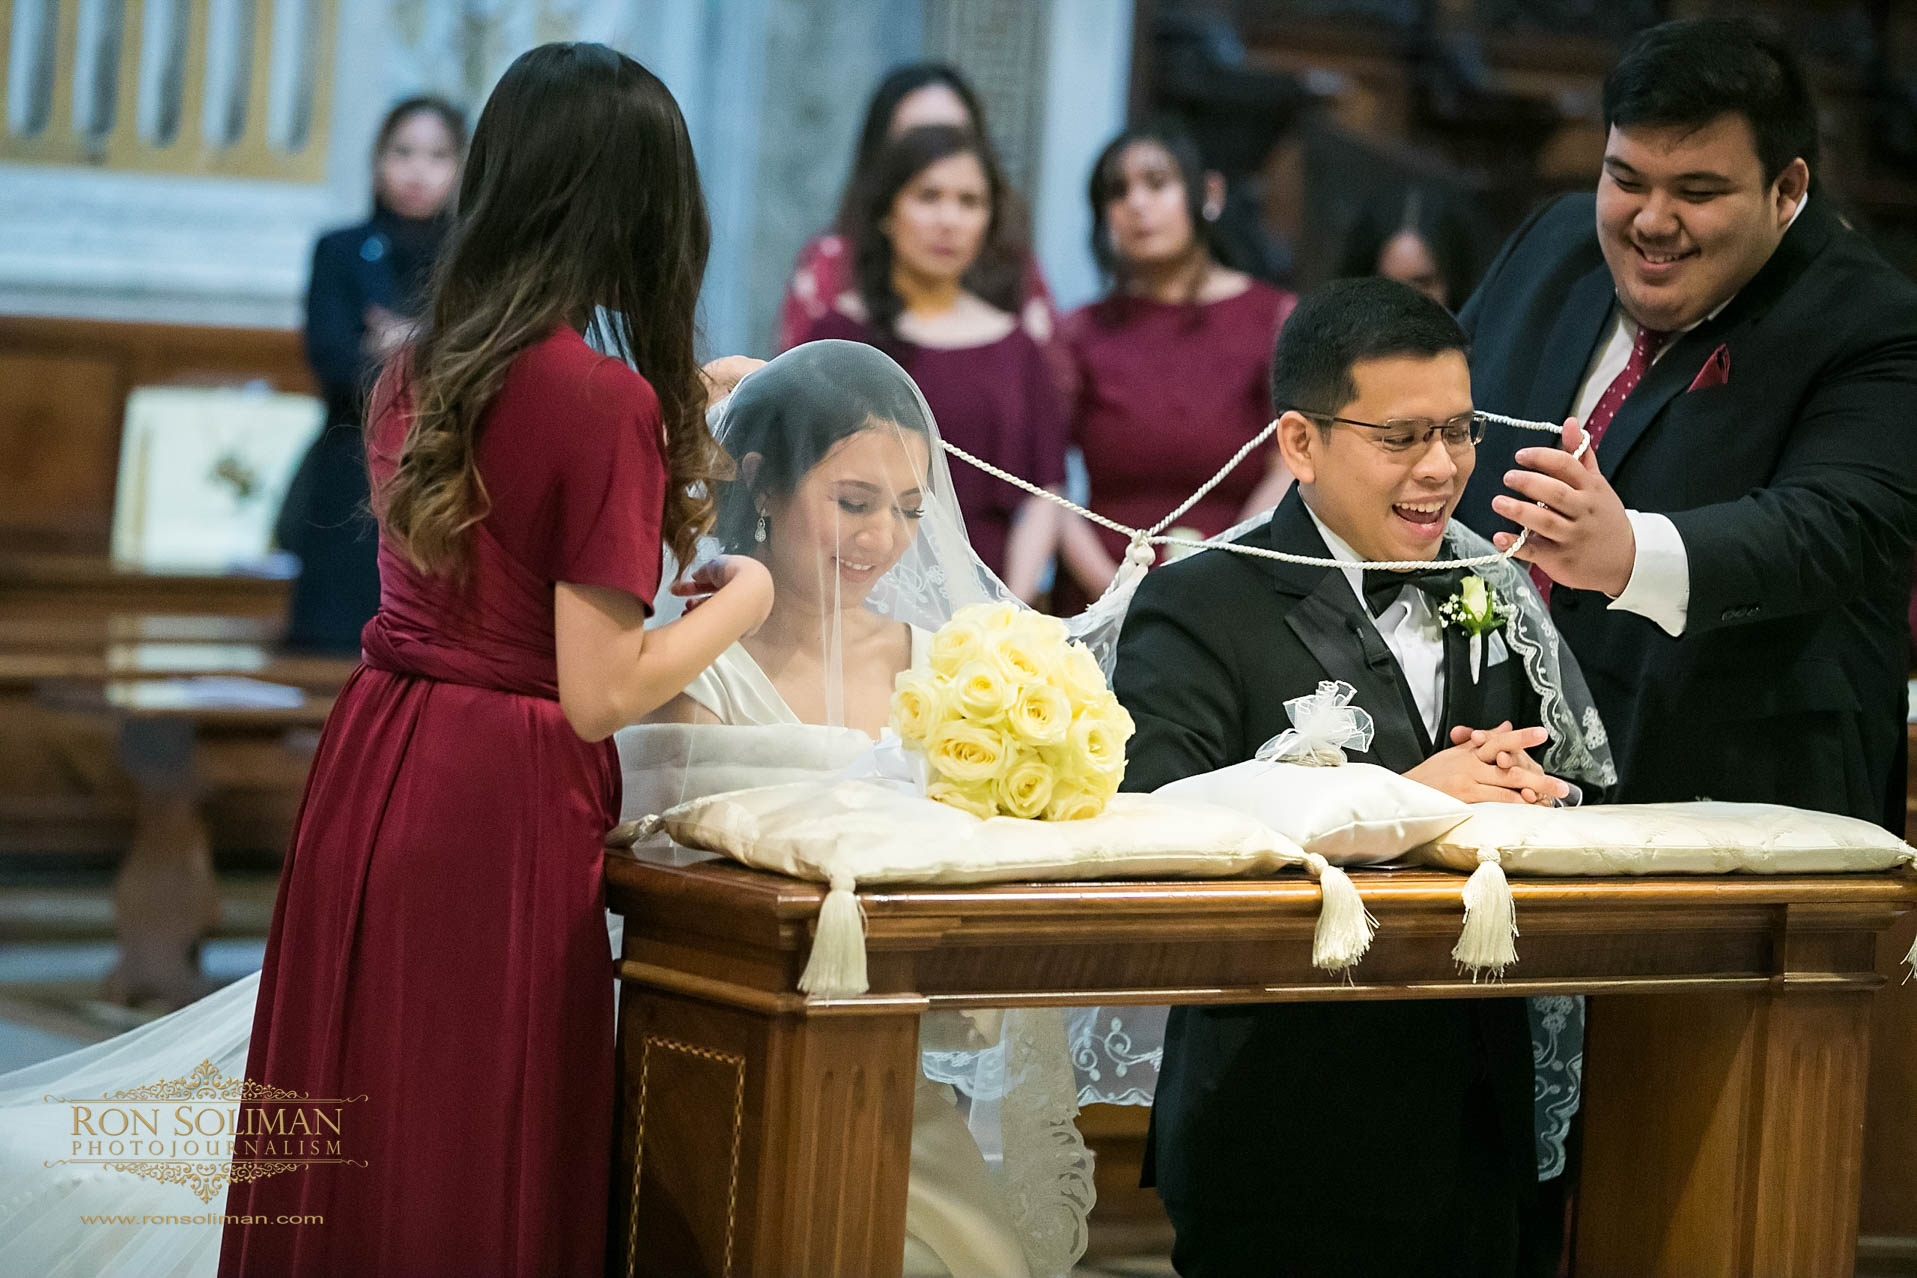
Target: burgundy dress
(439,943)
(997,402)
(1166,393)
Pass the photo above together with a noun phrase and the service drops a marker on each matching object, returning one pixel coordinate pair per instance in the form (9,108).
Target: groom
(1343,1138)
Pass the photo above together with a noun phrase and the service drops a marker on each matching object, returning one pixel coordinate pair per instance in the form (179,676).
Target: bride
(843,492)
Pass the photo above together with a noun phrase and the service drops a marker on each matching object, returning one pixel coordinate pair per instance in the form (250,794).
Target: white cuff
(1660,585)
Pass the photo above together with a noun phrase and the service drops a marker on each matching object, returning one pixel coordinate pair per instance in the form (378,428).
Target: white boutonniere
(1476,610)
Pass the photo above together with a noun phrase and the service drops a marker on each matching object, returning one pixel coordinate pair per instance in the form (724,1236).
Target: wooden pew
(109,741)
(179,743)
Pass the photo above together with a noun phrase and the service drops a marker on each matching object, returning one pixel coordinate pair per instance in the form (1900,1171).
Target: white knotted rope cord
(1142,539)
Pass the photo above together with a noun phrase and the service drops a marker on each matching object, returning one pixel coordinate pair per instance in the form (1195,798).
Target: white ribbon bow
(1324,724)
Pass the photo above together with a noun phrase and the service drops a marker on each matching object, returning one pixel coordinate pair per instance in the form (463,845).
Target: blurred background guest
(925,213)
(1170,365)
(368,285)
(1417,241)
(911,96)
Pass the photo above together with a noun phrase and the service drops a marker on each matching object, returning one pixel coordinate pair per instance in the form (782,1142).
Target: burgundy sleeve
(608,495)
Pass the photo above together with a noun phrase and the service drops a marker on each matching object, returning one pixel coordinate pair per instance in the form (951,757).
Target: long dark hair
(580,205)
(793,416)
(899,84)
(898,163)
(1171,137)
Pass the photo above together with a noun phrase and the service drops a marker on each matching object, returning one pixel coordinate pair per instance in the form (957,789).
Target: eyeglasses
(1400,435)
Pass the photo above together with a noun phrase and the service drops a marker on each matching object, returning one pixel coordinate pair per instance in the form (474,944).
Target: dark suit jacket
(324,519)
(1386,1110)
(1793,486)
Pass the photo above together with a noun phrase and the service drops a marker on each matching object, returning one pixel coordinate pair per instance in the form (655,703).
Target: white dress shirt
(1660,584)
(1409,626)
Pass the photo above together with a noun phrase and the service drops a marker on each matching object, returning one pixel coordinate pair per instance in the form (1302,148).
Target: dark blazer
(324,520)
(1405,1116)
(1793,486)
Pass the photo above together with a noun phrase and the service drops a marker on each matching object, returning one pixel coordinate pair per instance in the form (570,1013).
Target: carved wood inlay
(738,1065)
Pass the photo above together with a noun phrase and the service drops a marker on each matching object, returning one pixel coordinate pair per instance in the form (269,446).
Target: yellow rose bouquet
(1014,718)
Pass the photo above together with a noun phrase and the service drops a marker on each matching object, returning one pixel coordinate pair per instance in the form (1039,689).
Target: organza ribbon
(1324,725)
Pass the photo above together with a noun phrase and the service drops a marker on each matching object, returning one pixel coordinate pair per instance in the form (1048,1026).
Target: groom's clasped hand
(1491,765)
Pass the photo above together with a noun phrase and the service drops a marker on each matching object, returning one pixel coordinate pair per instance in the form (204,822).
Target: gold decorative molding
(186,151)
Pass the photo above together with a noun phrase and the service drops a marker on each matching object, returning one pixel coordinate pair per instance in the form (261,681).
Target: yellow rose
(1026,788)
(956,643)
(966,798)
(1040,630)
(1075,802)
(1099,742)
(967,752)
(982,692)
(1042,716)
(918,705)
(1083,681)
(990,618)
(1017,657)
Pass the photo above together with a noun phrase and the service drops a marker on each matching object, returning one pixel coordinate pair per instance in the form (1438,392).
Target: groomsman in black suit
(1732,565)
(1347,1139)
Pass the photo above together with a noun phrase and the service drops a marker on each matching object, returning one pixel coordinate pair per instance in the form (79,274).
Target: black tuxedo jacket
(1793,486)
(1383,1112)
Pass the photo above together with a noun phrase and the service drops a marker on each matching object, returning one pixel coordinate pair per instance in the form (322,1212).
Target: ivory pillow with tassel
(1350,814)
(853,833)
(1639,838)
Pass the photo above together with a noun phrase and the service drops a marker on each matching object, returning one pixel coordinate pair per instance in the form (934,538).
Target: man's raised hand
(1581,535)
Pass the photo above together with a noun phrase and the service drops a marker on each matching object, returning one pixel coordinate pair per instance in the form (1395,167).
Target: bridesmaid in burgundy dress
(1170,367)
(910,96)
(929,206)
(439,945)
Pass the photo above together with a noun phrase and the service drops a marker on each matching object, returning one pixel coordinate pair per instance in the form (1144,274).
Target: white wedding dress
(1020,1212)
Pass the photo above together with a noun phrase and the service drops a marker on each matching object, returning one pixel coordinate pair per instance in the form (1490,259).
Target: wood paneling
(63,389)
(1730,1026)
(1887,1223)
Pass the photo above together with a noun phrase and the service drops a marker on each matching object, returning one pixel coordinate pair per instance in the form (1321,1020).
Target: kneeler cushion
(1351,814)
(846,833)
(1639,838)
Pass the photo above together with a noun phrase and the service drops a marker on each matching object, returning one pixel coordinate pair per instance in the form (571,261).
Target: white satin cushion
(859,832)
(1664,838)
(1351,814)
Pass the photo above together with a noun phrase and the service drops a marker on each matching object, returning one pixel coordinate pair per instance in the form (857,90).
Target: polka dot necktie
(1644,349)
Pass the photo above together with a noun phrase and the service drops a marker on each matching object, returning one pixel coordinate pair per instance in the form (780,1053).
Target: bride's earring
(758,533)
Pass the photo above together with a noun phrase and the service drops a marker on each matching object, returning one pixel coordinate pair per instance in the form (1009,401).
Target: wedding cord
(1142,539)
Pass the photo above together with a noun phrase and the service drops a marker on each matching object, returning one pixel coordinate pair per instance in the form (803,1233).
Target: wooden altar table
(760,1133)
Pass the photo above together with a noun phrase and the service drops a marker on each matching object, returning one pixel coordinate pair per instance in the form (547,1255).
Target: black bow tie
(1383,586)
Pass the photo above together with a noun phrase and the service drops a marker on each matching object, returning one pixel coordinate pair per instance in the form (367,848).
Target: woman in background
(368,285)
(1006,274)
(1169,368)
(926,213)
(1417,242)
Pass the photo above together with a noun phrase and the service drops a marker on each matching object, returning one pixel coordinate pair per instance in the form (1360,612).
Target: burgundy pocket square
(1716,371)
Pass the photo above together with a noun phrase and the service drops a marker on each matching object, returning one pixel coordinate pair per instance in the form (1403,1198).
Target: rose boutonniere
(1476,610)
